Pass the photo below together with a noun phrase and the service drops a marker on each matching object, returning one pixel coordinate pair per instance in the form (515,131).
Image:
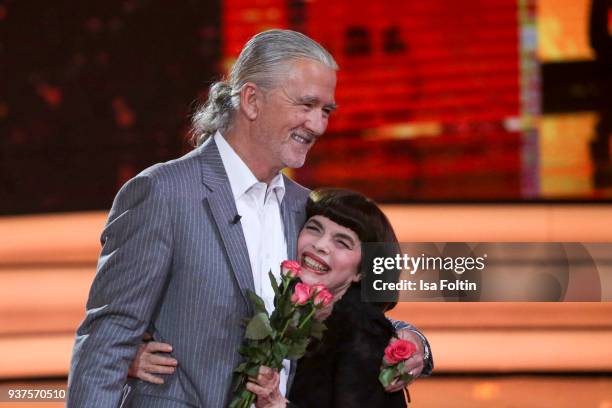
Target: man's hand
(265,387)
(147,362)
(414,365)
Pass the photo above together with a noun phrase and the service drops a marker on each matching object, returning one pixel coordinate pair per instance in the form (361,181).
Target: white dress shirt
(258,205)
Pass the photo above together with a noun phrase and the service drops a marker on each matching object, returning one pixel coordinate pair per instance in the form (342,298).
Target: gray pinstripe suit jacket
(173,264)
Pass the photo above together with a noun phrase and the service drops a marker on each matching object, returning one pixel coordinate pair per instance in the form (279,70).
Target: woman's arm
(149,361)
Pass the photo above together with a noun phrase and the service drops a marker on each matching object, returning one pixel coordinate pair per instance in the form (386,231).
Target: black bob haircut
(360,214)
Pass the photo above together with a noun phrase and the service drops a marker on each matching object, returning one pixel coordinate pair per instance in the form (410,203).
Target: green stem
(285,282)
(249,400)
(282,333)
(312,312)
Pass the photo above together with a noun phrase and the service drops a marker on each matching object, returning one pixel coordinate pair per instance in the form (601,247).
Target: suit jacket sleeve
(130,278)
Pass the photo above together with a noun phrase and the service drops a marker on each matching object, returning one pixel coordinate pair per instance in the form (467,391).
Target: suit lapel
(220,201)
(289,224)
(293,214)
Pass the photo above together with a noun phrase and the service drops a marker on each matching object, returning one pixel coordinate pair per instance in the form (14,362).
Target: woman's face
(329,253)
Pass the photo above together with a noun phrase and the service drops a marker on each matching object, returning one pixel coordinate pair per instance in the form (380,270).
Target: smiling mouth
(301,138)
(315,265)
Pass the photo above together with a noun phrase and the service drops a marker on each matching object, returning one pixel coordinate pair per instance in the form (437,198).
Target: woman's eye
(344,244)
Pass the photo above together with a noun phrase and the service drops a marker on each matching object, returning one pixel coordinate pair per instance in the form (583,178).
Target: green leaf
(296,332)
(244,350)
(406,377)
(241,399)
(286,307)
(258,303)
(259,327)
(279,352)
(286,281)
(386,376)
(252,371)
(275,320)
(305,330)
(235,403)
(316,329)
(274,283)
(386,363)
(238,382)
(257,352)
(250,350)
(240,367)
(295,318)
(297,350)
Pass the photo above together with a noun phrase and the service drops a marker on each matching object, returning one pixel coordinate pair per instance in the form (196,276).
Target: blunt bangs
(341,208)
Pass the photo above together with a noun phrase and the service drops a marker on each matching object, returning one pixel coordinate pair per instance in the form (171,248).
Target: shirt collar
(241,178)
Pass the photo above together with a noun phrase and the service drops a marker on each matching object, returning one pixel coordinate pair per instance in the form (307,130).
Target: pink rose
(322,296)
(317,288)
(301,294)
(399,350)
(292,269)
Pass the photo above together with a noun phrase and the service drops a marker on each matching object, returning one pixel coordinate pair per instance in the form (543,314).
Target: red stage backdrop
(434,97)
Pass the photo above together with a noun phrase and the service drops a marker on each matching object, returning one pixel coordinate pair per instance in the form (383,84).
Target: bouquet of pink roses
(285,334)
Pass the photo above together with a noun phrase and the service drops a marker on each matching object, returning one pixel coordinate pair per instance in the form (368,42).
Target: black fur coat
(342,370)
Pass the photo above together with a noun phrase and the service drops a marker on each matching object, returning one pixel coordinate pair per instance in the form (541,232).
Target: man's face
(295,113)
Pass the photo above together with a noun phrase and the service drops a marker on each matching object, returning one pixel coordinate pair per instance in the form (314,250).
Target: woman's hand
(413,366)
(265,387)
(147,362)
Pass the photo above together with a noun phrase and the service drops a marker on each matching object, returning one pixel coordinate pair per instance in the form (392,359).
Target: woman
(342,369)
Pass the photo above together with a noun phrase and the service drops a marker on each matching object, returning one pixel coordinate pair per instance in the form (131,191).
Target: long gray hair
(260,62)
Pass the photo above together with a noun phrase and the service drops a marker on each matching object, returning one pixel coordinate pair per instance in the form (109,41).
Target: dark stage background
(440,101)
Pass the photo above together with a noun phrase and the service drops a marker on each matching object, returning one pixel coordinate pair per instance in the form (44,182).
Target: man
(186,239)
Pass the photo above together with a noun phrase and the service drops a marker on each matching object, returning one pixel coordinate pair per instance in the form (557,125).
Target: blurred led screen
(563,30)
(439,100)
(429,93)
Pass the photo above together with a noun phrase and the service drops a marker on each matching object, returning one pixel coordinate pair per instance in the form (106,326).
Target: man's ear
(357,277)
(249,100)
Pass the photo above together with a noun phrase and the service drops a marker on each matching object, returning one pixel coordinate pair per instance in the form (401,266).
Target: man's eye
(312,227)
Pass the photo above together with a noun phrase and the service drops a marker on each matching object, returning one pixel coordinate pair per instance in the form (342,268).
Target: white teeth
(312,264)
(300,139)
